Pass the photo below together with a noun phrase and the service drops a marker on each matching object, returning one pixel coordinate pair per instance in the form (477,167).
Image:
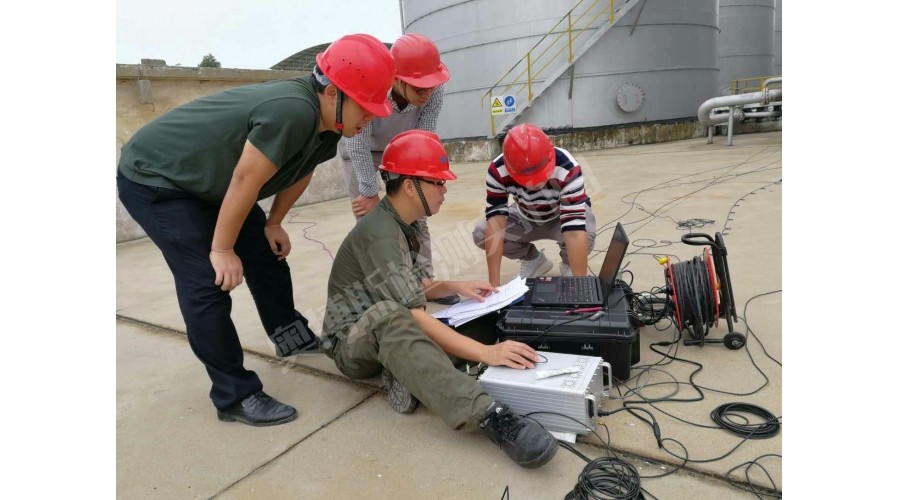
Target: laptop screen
(614,256)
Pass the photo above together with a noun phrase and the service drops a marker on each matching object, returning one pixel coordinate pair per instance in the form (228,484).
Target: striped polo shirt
(562,196)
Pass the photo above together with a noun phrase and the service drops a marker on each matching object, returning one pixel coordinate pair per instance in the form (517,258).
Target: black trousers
(182,227)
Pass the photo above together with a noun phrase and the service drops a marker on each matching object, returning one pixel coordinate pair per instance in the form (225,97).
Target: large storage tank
(661,57)
(746,41)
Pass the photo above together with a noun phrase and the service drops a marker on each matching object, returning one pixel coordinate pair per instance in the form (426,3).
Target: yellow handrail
(550,45)
(752,84)
(523,57)
(542,68)
(573,31)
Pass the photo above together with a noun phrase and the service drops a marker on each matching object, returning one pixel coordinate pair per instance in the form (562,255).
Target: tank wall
(671,56)
(746,42)
(776,42)
(479,41)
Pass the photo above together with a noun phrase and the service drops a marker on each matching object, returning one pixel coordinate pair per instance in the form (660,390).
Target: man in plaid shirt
(416,98)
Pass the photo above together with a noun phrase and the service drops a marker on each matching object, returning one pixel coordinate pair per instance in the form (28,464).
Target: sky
(243,34)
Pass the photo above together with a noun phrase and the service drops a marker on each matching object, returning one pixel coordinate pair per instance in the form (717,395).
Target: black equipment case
(614,336)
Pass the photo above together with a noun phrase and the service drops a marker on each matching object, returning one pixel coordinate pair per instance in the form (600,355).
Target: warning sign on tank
(503,104)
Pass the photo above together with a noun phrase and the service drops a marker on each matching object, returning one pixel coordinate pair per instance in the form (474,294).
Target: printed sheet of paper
(470,309)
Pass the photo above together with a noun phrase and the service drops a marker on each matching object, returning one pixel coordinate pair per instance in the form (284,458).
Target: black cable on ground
(607,478)
(693,223)
(669,357)
(749,487)
(726,414)
(750,331)
(730,217)
(717,179)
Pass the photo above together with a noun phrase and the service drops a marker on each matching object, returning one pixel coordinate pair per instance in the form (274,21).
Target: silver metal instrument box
(576,395)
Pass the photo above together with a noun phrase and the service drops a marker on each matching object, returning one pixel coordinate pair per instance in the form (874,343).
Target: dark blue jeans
(182,227)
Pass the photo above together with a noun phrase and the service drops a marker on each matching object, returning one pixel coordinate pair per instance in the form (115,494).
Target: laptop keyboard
(575,289)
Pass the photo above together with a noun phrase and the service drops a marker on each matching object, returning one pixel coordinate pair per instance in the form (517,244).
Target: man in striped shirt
(549,204)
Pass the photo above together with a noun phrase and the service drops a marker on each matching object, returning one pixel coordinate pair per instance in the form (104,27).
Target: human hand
(477,290)
(363,204)
(278,239)
(228,268)
(512,354)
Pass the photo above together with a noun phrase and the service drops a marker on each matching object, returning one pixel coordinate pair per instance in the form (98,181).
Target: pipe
(770,81)
(762,114)
(730,126)
(764,97)
(720,118)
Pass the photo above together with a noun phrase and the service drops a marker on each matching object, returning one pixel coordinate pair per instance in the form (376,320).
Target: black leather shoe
(522,439)
(446,301)
(259,410)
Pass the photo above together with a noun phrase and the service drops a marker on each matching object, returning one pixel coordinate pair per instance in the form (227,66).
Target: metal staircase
(537,70)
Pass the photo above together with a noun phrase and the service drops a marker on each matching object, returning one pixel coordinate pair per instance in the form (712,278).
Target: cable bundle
(607,478)
(650,307)
(726,414)
(695,299)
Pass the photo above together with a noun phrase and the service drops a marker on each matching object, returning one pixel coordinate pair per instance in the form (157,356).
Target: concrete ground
(348,443)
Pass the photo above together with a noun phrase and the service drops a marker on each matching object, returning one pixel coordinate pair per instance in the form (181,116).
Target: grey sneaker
(537,267)
(565,270)
(398,397)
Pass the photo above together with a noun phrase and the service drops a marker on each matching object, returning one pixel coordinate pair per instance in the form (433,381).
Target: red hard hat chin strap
(389,176)
(422,196)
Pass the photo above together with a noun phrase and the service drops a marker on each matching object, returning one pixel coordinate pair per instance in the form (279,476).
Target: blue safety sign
(503,104)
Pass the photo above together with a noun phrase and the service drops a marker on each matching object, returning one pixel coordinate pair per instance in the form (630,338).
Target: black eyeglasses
(421,92)
(436,183)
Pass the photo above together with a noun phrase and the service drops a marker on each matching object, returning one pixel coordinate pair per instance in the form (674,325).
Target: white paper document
(470,309)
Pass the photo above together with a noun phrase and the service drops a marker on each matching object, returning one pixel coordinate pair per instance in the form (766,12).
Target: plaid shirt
(360,148)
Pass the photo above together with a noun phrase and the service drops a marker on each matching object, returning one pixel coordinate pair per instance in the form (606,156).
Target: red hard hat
(418,153)
(528,154)
(418,61)
(362,67)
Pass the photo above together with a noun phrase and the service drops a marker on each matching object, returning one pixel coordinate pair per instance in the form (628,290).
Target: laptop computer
(583,291)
